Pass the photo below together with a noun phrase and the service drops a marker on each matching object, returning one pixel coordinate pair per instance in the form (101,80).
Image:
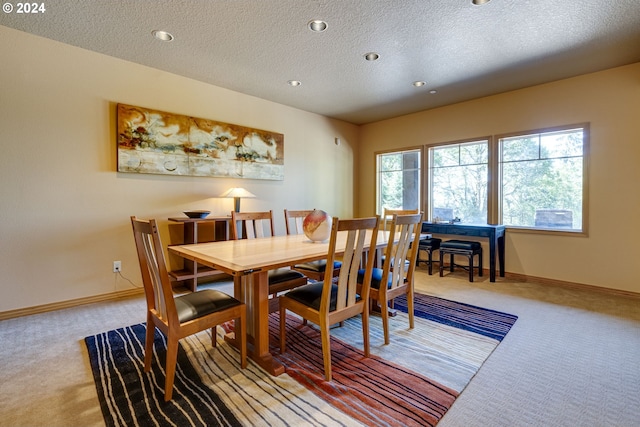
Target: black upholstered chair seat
(197,304)
(283,275)
(376,278)
(461,244)
(319,266)
(311,295)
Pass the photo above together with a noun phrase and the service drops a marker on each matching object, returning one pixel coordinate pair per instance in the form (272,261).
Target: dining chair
(337,299)
(255,225)
(314,270)
(395,278)
(179,316)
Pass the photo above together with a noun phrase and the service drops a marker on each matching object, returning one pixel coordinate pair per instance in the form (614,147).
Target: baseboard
(128,293)
(516,277)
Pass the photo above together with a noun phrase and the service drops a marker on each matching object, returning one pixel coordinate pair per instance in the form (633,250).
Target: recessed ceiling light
(480,2)
(433,92)
(419,83)
(317,26)
(371,56)
(162,35)
(294,83)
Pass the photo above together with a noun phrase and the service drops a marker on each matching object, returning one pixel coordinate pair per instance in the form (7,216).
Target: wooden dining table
(251,260)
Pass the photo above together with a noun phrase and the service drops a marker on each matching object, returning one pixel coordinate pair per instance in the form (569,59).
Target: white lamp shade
(237,192)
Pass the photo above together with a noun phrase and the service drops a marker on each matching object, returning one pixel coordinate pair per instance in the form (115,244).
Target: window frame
(427,197)
(420,191)
(496,178)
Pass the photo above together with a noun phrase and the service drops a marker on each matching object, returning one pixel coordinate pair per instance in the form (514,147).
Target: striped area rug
(422,372)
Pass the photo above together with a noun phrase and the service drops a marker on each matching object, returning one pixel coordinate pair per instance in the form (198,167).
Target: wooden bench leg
(430,261)
(469,253)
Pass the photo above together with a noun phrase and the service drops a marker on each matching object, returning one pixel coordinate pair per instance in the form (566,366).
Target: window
(535,180)
(458,181)
(398,185)
(542,179)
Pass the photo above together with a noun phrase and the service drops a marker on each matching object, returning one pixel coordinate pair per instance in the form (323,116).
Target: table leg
(501,254)
(191,236)
(255,293)
(492,259)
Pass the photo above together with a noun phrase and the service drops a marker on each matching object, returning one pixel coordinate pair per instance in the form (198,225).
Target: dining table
(251,260)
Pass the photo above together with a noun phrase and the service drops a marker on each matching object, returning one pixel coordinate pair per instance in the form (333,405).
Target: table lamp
(237,193)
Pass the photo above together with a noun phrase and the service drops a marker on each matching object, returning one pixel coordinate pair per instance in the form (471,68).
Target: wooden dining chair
(337,299)
(314,269)
(255,225)
(181,316)
(395,278)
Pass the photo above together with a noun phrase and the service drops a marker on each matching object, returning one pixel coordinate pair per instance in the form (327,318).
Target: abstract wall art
(156,142)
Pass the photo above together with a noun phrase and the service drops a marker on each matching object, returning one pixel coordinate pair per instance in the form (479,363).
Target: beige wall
(610,101)
(64,210)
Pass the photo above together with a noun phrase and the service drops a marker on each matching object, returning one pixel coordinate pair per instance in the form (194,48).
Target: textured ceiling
(461,50)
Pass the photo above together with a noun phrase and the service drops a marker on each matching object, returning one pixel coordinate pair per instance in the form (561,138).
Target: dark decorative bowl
(197,214)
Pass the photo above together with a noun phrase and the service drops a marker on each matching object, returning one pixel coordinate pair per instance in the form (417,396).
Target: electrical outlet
(117,266)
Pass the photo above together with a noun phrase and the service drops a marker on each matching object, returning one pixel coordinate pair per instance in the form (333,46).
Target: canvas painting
(156,142)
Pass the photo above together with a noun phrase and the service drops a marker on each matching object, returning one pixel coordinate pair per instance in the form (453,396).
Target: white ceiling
(461,50)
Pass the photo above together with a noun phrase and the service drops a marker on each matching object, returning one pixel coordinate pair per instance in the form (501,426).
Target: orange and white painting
(156,142)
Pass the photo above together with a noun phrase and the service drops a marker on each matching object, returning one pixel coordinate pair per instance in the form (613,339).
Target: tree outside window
(459,181)
(542,179)
(398,180)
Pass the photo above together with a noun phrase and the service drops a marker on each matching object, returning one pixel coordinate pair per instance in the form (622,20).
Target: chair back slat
(401,248)
(359,232)
(294,220)
(154,273)
(253,229)
(348,260)
(254,225)
(155,277)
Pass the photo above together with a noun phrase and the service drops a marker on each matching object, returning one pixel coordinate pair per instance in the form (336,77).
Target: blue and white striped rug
(447,347)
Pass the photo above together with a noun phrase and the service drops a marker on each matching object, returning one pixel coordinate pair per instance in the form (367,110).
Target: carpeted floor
(571,359)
